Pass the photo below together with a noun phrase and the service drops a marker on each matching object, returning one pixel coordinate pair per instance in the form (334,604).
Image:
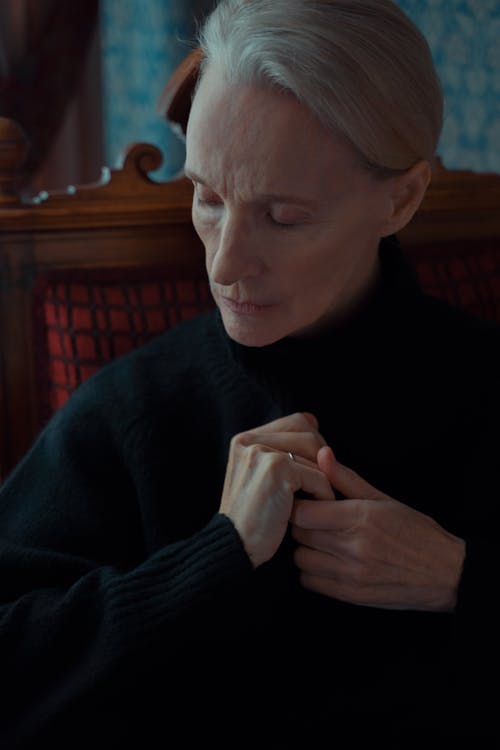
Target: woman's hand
(261,479)
(371,549)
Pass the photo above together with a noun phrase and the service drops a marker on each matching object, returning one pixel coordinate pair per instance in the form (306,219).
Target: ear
(405,194)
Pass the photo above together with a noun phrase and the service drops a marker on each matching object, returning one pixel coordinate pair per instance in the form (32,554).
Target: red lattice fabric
(464,277)
(86,318)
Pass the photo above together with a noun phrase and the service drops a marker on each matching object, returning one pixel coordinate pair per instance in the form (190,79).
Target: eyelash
(278,224)
(207,203)
(282,225)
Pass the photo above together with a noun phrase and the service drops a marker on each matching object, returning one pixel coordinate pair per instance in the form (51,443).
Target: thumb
(344,479)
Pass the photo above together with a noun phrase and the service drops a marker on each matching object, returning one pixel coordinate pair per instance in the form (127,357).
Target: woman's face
(289,221)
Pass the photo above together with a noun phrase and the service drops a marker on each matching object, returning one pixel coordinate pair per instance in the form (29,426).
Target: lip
(245,308)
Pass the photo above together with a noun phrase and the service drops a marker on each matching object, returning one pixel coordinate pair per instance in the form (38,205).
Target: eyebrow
(311,202)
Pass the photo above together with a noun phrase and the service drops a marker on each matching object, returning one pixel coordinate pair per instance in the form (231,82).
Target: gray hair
(361,66)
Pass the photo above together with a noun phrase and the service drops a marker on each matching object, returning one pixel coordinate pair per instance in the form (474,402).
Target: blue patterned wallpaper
(464,36)
(142,43)
(144,40)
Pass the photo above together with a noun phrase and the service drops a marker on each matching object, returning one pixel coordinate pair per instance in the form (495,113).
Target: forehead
(254,133)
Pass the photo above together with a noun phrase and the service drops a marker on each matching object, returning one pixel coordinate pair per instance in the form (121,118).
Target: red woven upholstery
(464,277)
(85,318)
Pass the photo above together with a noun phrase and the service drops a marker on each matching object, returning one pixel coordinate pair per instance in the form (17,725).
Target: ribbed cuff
(177,582)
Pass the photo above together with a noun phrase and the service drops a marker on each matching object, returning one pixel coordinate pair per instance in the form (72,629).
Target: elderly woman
(275,525)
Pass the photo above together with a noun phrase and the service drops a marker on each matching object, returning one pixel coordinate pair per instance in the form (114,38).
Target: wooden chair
(90,272)
(86,274)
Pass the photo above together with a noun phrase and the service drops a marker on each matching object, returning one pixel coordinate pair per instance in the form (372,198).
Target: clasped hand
(367,549)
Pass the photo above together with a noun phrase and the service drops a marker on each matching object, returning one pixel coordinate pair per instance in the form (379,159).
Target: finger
(297,422)
(319,563)
(314,483)
(344,479)
(312,465)
(337,544)
(341,515)
(303,444)
(312,419)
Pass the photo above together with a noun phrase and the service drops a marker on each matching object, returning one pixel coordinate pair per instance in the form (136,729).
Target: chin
(251,334)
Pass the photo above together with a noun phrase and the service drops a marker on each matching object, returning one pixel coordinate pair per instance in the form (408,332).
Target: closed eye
(207,201)
(214,202)
(282,224)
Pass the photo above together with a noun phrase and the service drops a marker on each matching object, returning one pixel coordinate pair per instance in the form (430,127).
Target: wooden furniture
(90,272)
(126,240)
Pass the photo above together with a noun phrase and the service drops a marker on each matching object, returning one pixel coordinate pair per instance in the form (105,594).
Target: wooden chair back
(86,274)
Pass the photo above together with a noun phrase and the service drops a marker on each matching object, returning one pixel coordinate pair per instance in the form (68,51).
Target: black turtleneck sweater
(130,613)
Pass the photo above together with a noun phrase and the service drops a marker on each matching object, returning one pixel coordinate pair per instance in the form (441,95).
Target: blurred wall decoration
(464,36)
(49,64)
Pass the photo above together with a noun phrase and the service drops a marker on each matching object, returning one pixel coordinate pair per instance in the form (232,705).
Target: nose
(235,256)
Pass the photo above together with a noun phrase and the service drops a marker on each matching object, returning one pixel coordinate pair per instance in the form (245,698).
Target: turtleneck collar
(379,315)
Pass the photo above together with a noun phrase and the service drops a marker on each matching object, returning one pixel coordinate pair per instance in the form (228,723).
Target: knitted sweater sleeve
(79,594)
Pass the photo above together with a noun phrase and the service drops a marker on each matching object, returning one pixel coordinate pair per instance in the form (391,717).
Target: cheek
(205,230)
(323,257)
(209,236)
(198,224)
(322,272)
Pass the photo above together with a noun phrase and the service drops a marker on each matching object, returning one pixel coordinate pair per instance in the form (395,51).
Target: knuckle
(315,439)
(243,439)
(274,463)
(237,440)
(363,551)
(254,449)
(312,444)
(282,466)
(298,419)
(311,418)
